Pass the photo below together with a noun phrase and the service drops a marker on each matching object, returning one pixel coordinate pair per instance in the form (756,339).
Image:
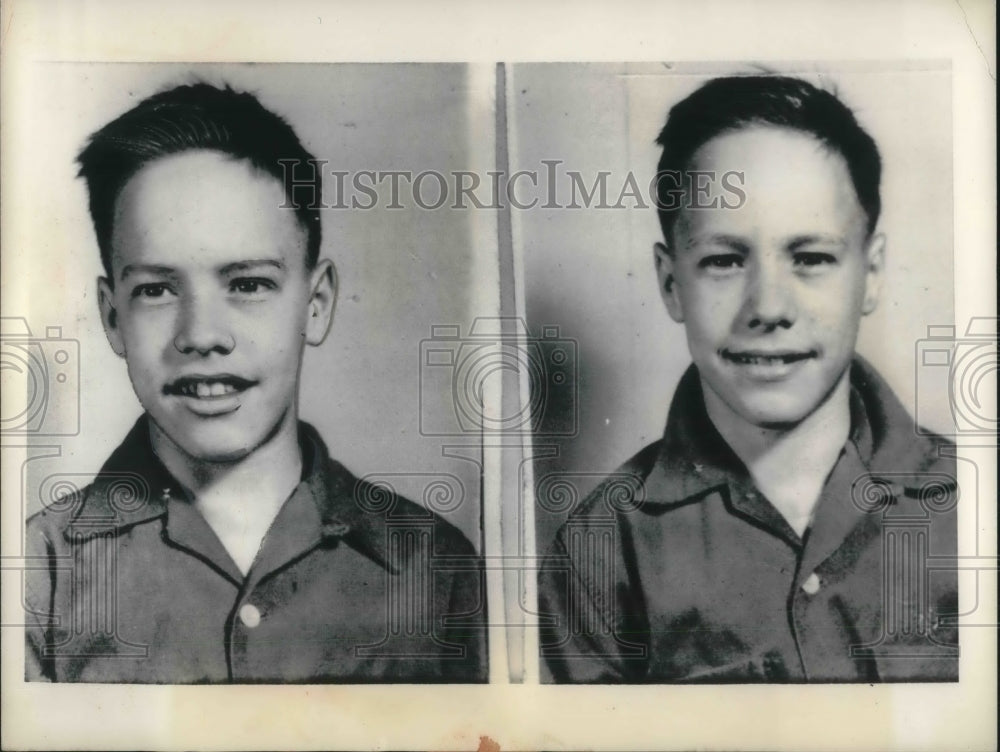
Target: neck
(276,462)
(239,499)
(789,464)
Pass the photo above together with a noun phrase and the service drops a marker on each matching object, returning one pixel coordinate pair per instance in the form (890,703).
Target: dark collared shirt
(676,568)
(351,584)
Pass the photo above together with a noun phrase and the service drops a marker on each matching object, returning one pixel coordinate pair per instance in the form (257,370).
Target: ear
(668,282)
(874,272)
(323,298)
(109,315)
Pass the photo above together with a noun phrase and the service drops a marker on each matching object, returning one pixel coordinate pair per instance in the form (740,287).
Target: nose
(770,300)
(202,328)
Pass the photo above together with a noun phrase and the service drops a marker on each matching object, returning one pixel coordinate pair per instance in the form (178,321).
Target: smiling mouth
(753,358)
(207,387)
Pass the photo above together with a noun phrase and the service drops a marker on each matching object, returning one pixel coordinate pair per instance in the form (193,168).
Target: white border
(961,716)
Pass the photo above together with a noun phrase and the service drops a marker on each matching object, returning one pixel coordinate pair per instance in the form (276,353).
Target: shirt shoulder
(447,539)
(53,522)
(622,490)
(939,451)
(378,519)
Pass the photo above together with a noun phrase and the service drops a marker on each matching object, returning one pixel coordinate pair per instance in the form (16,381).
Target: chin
(220,455)
(212,449)
(209,443)
(775,416)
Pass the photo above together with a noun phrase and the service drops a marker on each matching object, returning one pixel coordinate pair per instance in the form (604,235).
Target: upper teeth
(762,359)
(208,389)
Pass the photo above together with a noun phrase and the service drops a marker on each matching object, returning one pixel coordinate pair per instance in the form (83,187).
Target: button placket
(245,622)
(802,598)
(247,619)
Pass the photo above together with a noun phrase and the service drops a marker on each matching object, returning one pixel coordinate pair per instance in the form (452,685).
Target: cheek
(837,306)
(147,333)
(712,307)
(274,328)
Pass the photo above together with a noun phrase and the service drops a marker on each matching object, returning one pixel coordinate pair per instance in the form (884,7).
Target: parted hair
(191,117)
(729,104)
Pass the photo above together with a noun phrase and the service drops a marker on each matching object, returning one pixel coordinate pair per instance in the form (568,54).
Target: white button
(249,615)
(811,585)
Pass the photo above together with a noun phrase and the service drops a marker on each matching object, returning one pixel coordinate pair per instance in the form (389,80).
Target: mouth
(208,387)
(767,358)
(767,365)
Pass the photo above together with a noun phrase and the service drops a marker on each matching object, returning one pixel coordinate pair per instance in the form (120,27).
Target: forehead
(793,184)
(203,208)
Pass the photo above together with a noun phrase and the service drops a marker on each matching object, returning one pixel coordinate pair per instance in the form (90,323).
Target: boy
(780,529)
(220,542)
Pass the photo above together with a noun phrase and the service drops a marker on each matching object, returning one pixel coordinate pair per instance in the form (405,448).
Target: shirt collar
(134,487)
(694,458)
(885,435)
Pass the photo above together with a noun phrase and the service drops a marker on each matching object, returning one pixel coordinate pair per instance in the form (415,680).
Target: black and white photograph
(738,261)
(464,376)
(229,477)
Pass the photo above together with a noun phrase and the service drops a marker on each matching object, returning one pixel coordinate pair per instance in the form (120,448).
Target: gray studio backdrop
(589,285)
(589,272)
(401,270)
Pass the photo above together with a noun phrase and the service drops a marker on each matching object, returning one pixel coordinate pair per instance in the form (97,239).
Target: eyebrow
(166,271)
(732,241)
(735,242)
(243,266)
(802,240)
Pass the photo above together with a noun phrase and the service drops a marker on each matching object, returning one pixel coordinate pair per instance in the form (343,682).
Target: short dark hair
(728,104)
(190,117)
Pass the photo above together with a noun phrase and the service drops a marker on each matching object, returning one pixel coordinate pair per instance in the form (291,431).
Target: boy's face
(212,303)
(771,293)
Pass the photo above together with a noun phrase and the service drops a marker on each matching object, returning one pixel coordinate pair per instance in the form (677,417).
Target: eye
(814,259)
(251,285)
(151,290)
(721,262)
